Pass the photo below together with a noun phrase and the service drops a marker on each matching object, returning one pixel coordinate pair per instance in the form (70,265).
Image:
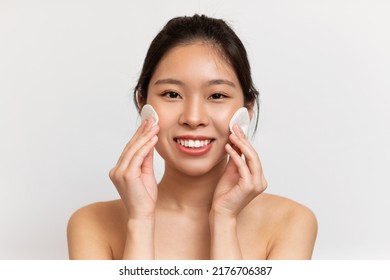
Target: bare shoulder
(282,209)
(90,228)
(98,211)
(291,226)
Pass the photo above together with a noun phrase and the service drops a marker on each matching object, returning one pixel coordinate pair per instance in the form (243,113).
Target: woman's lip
(194,151)
(194,137)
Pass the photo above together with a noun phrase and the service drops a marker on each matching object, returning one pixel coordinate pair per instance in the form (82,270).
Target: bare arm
(241,182)
(224,239)
(133,177)
(139,240)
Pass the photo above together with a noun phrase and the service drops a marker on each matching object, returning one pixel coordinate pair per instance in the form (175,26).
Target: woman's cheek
(166,123)
(221,120)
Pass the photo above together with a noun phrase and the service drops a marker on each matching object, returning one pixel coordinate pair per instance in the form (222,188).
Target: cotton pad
(241,117)
(148,112)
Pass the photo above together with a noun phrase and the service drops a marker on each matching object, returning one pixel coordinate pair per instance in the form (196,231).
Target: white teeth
(193,143)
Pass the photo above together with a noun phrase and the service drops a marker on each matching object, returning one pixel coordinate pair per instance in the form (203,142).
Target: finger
(236,149)
(251,156)
(242,167)
(231,167)
(147,166)
(241,135)
(136,145)
(137,161)
(139,131)
(145,126)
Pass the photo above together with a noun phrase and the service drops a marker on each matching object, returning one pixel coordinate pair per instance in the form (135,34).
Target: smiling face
(195,92)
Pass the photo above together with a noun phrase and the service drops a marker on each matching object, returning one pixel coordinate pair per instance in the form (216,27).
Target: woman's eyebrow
(209,83)
(221,82)
(169,81)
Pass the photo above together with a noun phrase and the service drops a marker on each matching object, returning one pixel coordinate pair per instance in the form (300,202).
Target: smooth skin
(211,206)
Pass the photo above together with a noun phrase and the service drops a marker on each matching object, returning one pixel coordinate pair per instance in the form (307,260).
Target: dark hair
(184,30)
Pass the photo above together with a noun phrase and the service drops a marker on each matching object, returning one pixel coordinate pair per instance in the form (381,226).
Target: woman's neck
(186,193)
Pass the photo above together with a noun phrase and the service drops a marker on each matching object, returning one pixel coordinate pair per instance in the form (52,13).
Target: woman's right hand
(133,175)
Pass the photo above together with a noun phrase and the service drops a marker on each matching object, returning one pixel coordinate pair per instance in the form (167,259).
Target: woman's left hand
(242,180)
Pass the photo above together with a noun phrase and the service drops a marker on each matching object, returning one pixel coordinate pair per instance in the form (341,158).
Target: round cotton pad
(241,117)
(148,112)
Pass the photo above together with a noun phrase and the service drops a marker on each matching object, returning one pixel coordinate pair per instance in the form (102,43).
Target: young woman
(210,202)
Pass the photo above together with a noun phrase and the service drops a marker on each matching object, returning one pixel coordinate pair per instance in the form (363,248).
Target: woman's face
(195,92)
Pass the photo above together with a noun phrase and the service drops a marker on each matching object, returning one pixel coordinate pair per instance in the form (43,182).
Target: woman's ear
(139,100)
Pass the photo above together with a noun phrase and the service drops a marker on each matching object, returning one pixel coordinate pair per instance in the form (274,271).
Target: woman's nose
(194,114)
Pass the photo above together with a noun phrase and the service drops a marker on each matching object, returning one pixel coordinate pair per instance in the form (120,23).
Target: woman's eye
(217,96)
(171,94)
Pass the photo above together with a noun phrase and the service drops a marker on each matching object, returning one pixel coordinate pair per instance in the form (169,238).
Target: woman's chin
(200,167)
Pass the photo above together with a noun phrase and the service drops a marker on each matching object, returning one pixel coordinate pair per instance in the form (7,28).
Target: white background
(67,70)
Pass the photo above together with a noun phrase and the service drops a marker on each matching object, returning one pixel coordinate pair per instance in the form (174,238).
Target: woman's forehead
(195,61)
